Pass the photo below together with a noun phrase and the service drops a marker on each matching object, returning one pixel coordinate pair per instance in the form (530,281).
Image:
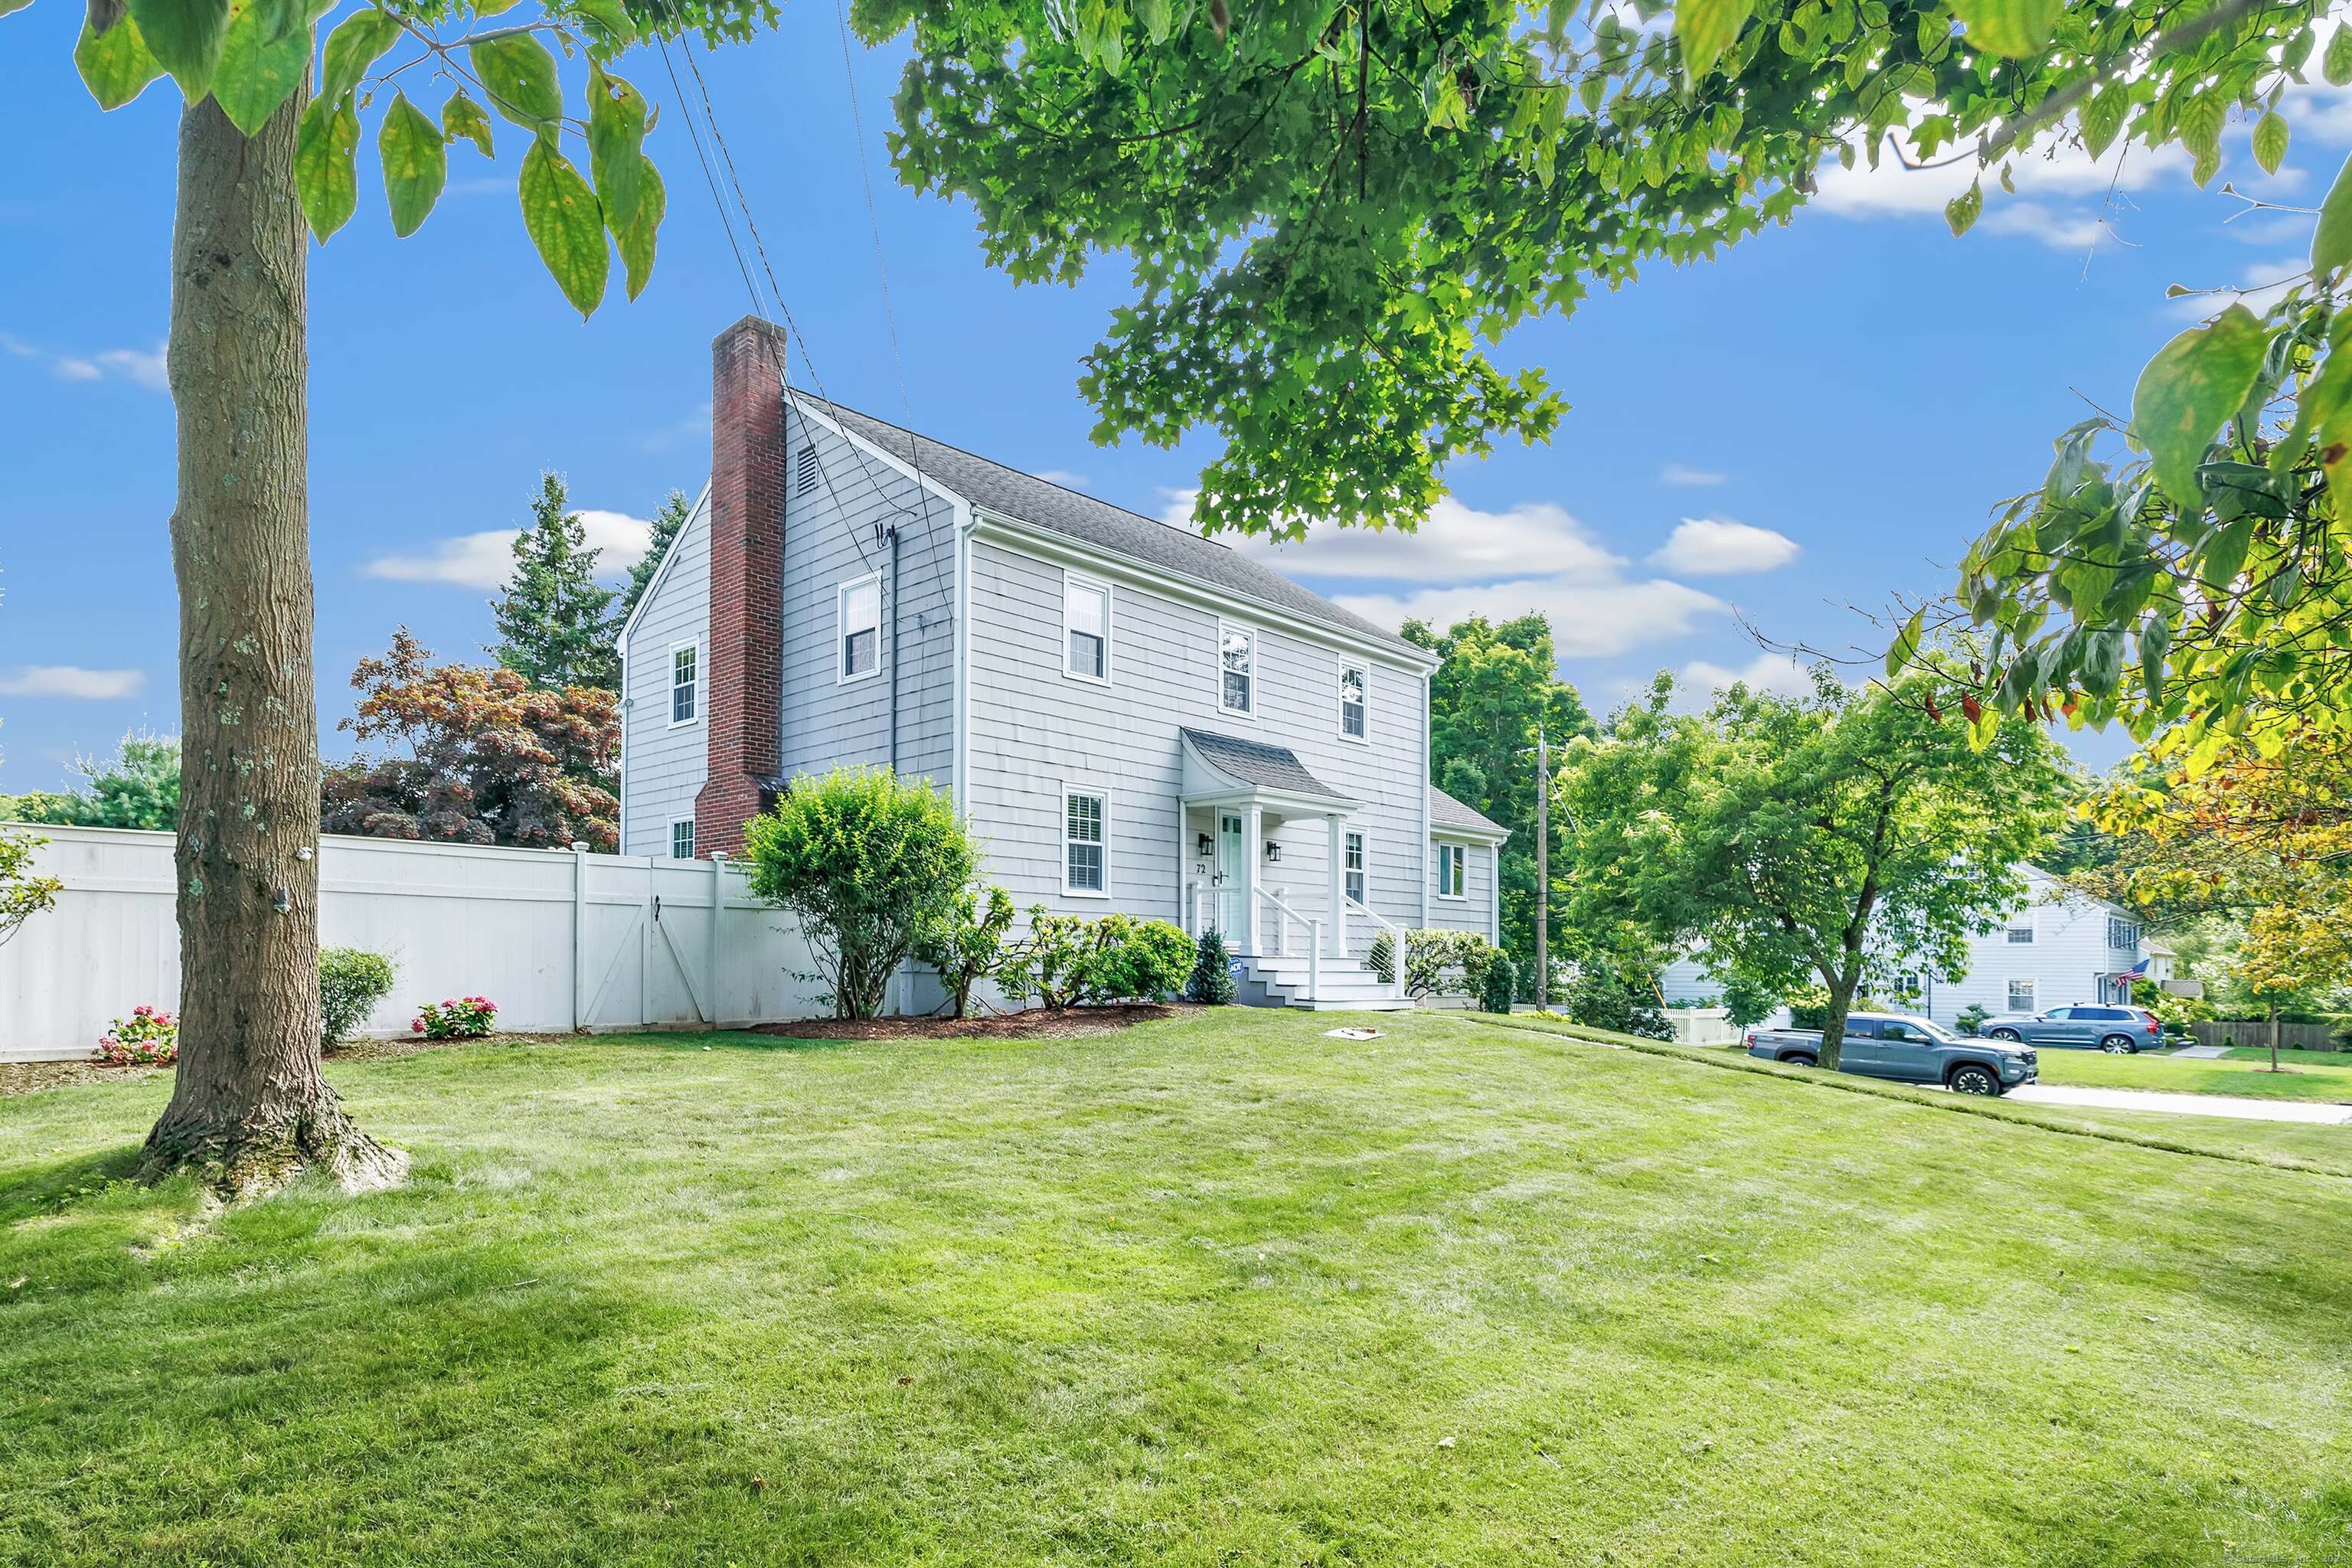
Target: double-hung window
(1453,871)
(857,609)
(1354,867)
(2021,930)
(1086,627)
(1084,845)
(2123,933)
(1236,669)
(681,840)
(2020,995)
(685,682)
(1353,683)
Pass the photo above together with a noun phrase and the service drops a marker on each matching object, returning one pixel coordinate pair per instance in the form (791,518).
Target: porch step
(1280,980)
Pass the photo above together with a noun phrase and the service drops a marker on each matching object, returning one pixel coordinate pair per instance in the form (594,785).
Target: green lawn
(1218,1292)
(2310,1074)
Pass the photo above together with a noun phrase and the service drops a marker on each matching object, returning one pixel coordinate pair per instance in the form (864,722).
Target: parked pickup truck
(1909,1050)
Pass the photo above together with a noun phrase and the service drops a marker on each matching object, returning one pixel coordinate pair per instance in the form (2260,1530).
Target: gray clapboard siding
(1475,911)
(829,540)
(663,766)
(1036,733)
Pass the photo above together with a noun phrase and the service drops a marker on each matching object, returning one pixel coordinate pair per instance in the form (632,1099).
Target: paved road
(2229,1105)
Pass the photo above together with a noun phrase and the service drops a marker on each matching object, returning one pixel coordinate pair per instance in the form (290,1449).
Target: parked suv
(1909,1050)
(2119,1031)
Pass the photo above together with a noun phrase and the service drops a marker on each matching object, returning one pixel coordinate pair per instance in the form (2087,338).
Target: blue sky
(1822,416)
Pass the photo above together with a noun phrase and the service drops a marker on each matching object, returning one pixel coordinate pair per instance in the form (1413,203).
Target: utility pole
(1543,868)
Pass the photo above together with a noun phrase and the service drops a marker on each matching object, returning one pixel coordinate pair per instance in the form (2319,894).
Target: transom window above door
(1086,627)
(1236,669)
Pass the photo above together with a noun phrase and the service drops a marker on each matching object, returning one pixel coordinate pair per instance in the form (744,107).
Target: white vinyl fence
(560,940)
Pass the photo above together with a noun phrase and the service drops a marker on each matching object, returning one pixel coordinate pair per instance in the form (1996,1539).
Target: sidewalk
(2235,1107)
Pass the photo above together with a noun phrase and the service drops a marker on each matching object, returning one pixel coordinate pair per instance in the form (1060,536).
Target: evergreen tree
(667,523)
(555,623)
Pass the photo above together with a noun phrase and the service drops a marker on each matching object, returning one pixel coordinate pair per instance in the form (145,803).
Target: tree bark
(249,1107)
(1841,989)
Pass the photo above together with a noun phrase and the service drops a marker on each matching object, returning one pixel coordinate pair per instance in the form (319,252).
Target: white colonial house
(2057,948)
(1131,717)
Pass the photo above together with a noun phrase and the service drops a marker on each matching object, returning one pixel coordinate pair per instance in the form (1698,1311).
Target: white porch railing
(1284,916)
(1396,946)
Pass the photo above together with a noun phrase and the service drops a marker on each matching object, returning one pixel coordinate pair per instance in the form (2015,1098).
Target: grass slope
(2314,1074)
(1216,1291)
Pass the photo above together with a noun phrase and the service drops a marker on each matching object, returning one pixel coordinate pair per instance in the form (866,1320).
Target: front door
(1232,913)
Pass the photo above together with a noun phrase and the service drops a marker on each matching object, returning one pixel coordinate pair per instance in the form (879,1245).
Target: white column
(1338,927)
(1253,846)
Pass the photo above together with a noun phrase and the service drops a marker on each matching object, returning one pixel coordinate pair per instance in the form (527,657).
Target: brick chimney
(743,685)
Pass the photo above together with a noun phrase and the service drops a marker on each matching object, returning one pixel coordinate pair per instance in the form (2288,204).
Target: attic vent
(807,475)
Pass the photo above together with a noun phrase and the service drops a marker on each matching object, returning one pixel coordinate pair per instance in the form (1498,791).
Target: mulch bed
(1036,1023)
(31,1078)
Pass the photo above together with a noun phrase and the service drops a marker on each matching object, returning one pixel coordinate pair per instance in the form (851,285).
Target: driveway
(2234,1106)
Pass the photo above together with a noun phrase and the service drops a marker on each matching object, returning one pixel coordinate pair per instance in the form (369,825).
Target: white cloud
(1458,544)
(71,681)
(1719,547)
(2258,286)
(693,430)
(1766,672)
(483,560)
(1675,474)
(1591,615)
(1063,477)
(141,367)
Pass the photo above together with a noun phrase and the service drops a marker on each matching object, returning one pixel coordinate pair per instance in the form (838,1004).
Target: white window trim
(1448,857)
(1364,670)
(2010,932)
(1363,836)
(1110,608)
(669,688)
(1218,664)
(1101,797)
(674,824)
(841,676)
(2033,994)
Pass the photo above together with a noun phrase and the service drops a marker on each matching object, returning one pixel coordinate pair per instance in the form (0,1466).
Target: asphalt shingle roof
(1256,762)
(1043,504)
(1444,811)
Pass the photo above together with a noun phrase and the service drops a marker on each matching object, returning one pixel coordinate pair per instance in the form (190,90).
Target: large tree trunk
(1841,988)
(249,1109)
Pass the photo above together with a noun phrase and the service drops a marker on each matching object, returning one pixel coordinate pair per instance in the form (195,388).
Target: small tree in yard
(22,894)
(867,861)
(1608,993)
(965,942)
(352,980)
(1212,984)
(1810,837)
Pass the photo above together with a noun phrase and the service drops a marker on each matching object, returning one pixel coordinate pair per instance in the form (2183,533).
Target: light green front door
(1232,914)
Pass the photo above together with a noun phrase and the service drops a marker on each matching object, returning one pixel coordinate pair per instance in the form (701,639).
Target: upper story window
(1086,627)
(681,840)
(1236,669)
(1084,845)
(1453,871)
(2021,930)
(2123,933)
(1354,869)
(1353,682)
(805,474)
(684,683)
(858,610)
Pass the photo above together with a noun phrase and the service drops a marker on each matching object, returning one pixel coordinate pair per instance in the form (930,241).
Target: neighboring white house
(2057,948)
(1130,716)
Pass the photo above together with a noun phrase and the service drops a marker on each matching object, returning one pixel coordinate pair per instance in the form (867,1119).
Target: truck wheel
(2010,1035)
(1969,1078)
(2119,1046)
(1798,1059)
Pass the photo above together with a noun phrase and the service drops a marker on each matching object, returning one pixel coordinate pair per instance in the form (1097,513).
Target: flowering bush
(146,1038)
(460,1018)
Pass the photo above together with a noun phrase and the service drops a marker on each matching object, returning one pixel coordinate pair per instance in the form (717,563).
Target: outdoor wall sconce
(1273,852)
(1204,847)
